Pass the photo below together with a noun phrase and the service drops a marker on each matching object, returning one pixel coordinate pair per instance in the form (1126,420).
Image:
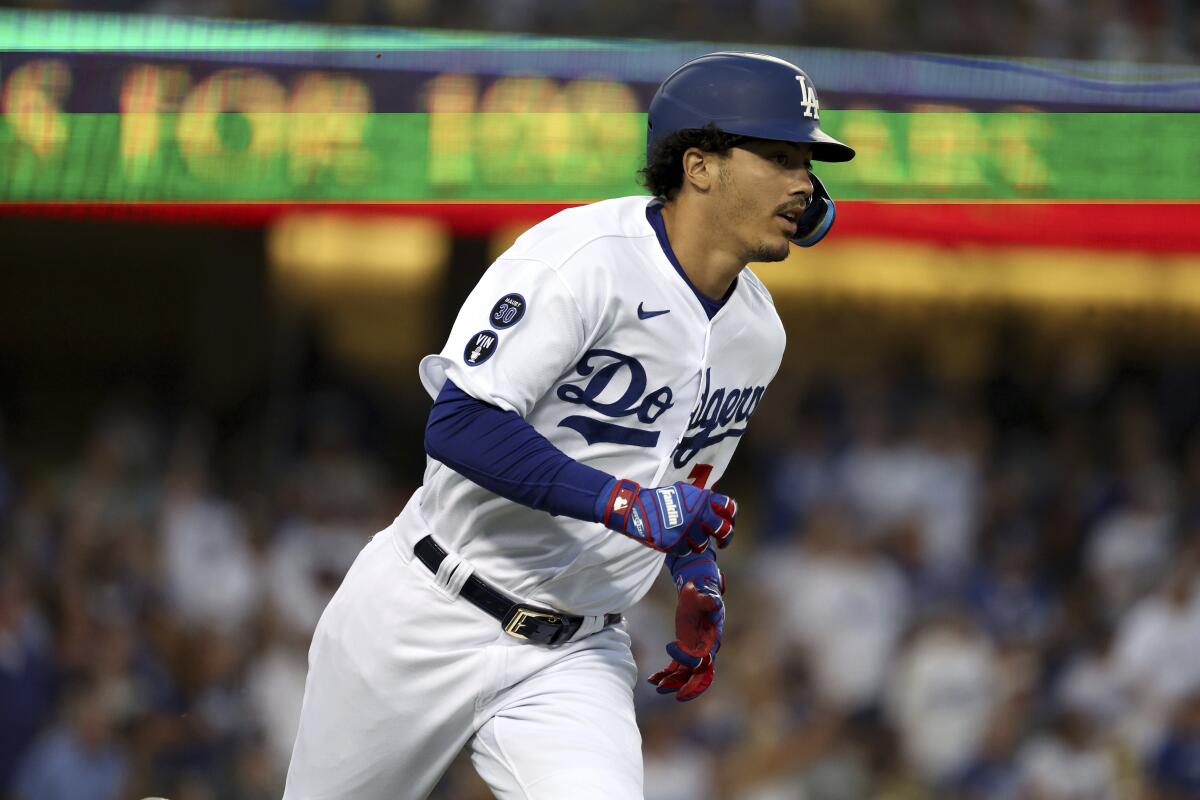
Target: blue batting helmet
(750,94)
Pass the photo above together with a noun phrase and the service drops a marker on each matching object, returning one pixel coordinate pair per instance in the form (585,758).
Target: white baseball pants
(402,674)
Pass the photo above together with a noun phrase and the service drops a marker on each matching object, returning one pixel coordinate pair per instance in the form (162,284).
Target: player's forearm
(504,454)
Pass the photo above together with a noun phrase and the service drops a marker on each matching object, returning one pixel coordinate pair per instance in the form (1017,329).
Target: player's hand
(677,519)
(699,624)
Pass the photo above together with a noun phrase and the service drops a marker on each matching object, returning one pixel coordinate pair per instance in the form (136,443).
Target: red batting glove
(699,623)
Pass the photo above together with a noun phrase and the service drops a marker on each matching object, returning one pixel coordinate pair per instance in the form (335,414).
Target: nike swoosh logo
(643,314)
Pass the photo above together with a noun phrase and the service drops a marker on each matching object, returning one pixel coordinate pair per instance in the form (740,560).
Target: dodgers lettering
(621,370)
(716,409)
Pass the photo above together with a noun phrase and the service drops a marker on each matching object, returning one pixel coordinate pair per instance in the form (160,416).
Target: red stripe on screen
(1118,225)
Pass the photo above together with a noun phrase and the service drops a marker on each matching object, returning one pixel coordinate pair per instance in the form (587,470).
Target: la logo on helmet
(808,99)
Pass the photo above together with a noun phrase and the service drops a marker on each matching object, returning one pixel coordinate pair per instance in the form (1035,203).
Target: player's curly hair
(663,173)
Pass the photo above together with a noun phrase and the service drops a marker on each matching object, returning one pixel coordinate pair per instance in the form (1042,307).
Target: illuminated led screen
(361,156)
(113,108)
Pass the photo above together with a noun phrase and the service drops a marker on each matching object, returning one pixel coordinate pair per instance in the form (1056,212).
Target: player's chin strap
(817,219)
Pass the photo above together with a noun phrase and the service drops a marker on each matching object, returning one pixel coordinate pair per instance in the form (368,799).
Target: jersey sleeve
(518,332)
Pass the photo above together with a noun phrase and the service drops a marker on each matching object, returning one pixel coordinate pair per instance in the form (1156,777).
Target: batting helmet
(750,94)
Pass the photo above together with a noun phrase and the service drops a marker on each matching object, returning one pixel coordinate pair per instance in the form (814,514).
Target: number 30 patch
(507,311)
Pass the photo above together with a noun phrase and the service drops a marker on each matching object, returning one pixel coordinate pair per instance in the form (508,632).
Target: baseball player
(591,392)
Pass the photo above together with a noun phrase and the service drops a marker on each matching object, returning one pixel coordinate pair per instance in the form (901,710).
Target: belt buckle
(523,615)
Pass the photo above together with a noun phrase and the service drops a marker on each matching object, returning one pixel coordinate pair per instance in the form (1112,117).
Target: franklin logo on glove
(670,506)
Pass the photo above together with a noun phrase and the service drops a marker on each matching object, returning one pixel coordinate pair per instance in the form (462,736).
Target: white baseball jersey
(586,329)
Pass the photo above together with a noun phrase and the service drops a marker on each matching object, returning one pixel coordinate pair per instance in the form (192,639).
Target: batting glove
(699,624)
(677,519)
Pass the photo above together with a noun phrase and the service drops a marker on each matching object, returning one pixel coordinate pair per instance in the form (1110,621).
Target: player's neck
(703,252)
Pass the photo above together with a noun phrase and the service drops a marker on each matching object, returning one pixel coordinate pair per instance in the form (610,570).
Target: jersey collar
(655,218)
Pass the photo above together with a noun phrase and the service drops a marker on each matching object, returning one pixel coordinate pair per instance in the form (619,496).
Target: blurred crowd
(1124,30)
(988,589)
(154,625)
(982,588)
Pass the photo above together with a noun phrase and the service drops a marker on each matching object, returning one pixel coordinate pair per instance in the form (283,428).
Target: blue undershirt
(503,453)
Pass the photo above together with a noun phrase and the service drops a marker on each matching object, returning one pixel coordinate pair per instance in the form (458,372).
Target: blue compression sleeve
(503,453)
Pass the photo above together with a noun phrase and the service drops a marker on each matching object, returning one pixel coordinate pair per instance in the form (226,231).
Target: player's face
(764,187)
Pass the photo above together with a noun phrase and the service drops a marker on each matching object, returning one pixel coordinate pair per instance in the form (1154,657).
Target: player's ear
(700,169)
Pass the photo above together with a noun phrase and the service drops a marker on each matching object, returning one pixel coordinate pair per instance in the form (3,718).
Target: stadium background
(968,565)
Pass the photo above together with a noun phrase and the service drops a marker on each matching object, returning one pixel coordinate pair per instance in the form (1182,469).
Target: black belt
(539,625)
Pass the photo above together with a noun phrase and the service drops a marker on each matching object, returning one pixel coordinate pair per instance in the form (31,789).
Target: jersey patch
(508,311)
(480,347)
